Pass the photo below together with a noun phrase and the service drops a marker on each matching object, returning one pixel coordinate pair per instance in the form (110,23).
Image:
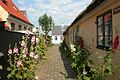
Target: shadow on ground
(68,68)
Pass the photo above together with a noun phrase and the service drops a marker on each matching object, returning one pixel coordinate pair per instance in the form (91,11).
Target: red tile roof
(12,9)
(0,19)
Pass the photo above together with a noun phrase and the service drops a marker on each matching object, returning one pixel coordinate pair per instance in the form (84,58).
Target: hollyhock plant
(19,63)
(36,56)
(33,39)
(15,50)
(9,51)
(25,51)
(31,54)
(37,40)
(22,66)
(72,47)
(27,32)
(23,44)
(24,55)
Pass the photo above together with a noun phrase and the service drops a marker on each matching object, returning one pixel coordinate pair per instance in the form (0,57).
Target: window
(61,37)
(29,29)
(13,26)
(104,30)
(25,28)
(77,35)
(55,37)
(19,27)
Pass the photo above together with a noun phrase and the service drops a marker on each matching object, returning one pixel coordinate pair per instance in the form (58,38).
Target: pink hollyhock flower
(27,32)
(23,43)
(25,51)
(9,51)
(31,54)
(19,64)
(15,50)
(33,39)
(37,40)
(24,55)
(36,57)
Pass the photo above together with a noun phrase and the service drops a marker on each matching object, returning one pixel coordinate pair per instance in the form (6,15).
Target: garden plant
(84,68)
(23,60)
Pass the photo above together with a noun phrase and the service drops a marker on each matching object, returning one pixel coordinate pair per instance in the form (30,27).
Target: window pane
(107,44)
(100,30)
(13,26)
(106,29)
(107,17)
(110,28)
(108,41)
(55,37)
(100,40)
(20,27)
(100,21)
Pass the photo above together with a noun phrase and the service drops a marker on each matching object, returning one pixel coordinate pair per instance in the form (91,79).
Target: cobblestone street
(55,66)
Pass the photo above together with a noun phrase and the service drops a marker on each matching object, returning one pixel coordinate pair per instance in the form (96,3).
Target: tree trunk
(46,43)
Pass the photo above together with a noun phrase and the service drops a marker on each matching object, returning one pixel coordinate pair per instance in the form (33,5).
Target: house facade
(57,34)
(57,39)
(14,18)
(99,26)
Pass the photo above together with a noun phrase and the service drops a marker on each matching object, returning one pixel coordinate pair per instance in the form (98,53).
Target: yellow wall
(88,31)
(3,14)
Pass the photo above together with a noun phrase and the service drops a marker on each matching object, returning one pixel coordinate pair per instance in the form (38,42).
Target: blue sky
(62,11)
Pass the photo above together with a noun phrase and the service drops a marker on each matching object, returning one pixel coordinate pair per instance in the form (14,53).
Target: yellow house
(15,19)
(99,26)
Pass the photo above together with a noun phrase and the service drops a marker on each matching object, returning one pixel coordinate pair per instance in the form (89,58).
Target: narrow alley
(55,66)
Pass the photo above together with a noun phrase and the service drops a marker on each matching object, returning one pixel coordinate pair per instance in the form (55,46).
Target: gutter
(21,19)
(91,7)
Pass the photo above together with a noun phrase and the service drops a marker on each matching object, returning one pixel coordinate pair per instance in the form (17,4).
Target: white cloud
(62,11)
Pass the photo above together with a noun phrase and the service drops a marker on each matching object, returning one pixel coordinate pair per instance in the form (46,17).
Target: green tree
(47,24)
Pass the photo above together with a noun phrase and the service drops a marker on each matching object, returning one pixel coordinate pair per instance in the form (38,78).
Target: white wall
(58,41)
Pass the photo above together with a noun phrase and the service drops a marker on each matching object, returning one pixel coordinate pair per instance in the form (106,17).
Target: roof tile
(11,8)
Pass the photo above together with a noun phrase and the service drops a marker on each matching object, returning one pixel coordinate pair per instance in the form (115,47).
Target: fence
(6,38)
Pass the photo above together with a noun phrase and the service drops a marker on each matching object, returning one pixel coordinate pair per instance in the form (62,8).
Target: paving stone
(55,66)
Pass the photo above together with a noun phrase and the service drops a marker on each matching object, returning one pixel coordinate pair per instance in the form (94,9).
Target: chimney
(24,12)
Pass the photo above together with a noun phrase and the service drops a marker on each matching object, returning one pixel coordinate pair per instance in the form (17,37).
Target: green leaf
(87,78)
(9,76)
(8,69)
(99,77)
(18,76)
(73,65)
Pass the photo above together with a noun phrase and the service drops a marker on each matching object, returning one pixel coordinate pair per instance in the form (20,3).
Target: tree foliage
(46,22)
